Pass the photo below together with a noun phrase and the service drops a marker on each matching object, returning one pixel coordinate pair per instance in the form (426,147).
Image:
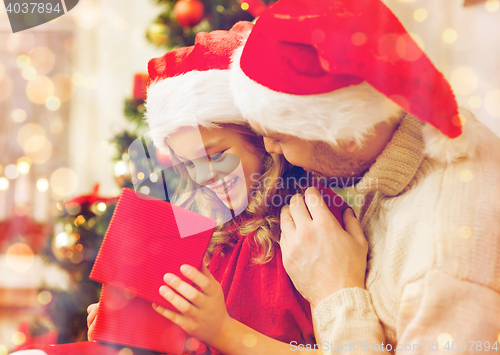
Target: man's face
(314,156)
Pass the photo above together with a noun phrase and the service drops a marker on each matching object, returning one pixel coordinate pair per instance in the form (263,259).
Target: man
(341,89)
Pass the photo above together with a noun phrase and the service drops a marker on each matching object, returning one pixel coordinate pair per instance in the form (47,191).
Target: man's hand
(319,256)
(92,315)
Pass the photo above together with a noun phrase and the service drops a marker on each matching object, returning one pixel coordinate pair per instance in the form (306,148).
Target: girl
(246,302)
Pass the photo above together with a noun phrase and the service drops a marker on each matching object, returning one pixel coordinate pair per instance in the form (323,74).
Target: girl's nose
(204,173)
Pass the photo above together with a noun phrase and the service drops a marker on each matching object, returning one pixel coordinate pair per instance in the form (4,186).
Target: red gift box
(143,243)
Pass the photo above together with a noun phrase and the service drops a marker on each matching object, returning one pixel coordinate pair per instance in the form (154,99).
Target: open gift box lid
(147,238)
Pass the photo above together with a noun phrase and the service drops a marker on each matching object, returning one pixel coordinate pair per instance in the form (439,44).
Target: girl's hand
(202,314)
(92,315)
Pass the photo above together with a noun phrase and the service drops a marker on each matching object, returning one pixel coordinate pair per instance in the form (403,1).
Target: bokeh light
(449,35)
(23,61)
(140,175)
(359,38)
(86,15)
(492,103)
(121,168)
(27,131)
(64,181)
(63,86)
(466,175)
(11,171)
(53,103)
(19,115)
(249,340)
(44,297)
(21,209)
(56,127)
(126,351)
(3,350)
(5,87)
(101,206)
(40,89)
(19,257)
(420,42)
(20,43)
(18,338)
(475,102)
(145,190)
(420,15)
(492,5)
(153,177)
(78,79)
(42,59)
(244,6)
(464,81)
(42,155)
(24,165)
(42,185)
(443,339)
(29,73)
(34,144)
(4,184)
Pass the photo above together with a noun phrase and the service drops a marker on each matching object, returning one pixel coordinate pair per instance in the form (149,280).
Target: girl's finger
(185,289)
(90,332)
(175,317)
(91,316)
(179,302)
(202,280)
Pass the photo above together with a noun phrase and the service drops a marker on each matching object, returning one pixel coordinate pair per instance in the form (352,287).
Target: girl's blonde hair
(261,215)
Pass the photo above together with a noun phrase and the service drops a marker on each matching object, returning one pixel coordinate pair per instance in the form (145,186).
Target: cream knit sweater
(433,270)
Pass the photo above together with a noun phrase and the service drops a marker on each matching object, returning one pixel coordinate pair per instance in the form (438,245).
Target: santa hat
(189,86)
(331,70)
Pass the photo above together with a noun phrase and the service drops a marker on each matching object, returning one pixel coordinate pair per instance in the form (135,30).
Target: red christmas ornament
(140,85)
(163,158)
(188,13)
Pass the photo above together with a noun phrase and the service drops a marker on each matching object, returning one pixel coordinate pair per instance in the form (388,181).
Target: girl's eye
(188,164)
(217,156)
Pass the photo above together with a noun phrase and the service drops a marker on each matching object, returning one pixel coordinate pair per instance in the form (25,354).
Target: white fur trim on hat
(349,113)
(447,150)
(196,97)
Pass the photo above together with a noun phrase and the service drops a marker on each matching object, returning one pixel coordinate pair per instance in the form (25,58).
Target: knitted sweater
(433,272)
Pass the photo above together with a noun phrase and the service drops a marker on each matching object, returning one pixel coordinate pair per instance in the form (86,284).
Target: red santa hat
(331,70)
(189,86)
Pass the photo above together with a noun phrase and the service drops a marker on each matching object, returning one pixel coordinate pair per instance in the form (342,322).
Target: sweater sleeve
(438,313)
(346,322)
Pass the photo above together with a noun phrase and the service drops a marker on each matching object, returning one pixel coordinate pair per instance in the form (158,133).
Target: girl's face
(219,159)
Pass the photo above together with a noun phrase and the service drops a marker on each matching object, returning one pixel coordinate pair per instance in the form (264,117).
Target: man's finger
(353,226)
(286,222)
(316,204)
(298,211)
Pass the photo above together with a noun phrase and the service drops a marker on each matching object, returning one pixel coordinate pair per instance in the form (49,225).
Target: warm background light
(420,15)
(42,185)
(19,115)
